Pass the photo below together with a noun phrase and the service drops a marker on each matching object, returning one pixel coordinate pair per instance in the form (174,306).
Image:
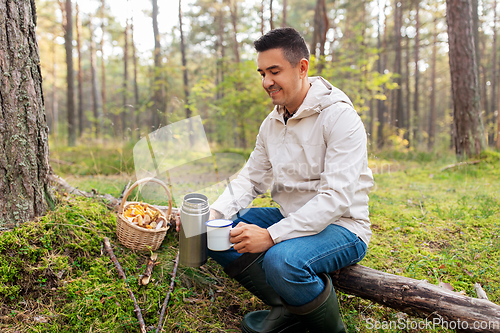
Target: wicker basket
(135,237)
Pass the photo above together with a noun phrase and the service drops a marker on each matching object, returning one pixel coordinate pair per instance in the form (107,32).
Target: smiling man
(311,152)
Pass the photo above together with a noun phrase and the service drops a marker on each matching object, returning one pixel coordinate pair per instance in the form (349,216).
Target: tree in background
(468,134)
(158,86)
(67,12)
(24,138)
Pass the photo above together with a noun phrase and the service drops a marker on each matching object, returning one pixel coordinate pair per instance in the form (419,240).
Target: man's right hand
(214,215)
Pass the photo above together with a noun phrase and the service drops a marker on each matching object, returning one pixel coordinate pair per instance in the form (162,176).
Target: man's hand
(213,216)
(250,238)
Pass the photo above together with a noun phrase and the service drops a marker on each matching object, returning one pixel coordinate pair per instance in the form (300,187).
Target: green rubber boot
(247,270)
(322,314)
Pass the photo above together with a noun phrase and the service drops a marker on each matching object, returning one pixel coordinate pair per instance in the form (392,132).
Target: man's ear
(303,67)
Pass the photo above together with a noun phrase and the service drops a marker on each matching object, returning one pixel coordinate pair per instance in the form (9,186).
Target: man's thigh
(263,217)
(333,248)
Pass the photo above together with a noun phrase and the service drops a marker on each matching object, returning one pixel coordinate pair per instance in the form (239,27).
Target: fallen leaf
(468,273)
(442,266)
(446,286)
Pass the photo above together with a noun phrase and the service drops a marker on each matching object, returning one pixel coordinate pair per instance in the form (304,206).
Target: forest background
(390,57)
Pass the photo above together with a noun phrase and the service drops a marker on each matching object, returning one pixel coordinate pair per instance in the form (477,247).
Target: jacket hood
(320,96)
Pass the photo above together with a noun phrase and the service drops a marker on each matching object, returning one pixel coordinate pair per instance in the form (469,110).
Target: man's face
(282,82)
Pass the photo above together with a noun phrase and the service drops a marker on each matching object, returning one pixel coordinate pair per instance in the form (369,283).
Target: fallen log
(112,202)
(419,298)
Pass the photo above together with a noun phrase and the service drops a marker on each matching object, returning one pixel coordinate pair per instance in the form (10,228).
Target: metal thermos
(193,233)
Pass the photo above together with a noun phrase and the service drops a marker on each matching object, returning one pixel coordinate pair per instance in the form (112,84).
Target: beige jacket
(316,166)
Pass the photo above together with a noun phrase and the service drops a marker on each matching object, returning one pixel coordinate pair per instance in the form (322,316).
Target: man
(312,150)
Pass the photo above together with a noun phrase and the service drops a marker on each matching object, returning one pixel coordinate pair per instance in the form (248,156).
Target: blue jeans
(292,266)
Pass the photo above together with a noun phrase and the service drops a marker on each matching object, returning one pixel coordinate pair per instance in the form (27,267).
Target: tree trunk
(136,86)
(185,74)
(419,298)
(283,24)
(464,78)
(95,103)
(262,17)
(68,45)
(490,114)
(416,111)
(381,108)
(432,108)
(407,104)
(24,141)
(125,81)
(80,71)
(221,54)
(158,108)
(103,68)
(233,8)
(271,13)
(397,101)
(55,104)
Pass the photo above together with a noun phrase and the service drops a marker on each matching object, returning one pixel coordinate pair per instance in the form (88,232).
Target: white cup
(218,234)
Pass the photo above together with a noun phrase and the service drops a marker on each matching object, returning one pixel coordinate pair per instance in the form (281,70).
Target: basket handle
(142,181)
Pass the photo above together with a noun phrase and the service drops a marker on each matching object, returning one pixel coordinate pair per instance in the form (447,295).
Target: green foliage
(93,159)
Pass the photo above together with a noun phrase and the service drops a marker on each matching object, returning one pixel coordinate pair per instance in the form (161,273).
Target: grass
(441,226)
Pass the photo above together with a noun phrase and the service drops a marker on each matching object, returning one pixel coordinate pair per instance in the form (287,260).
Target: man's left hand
(250,238)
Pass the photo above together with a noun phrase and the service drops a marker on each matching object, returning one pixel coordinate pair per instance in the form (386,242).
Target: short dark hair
(289,40)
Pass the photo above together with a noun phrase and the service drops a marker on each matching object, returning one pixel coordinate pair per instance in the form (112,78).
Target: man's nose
(267,82)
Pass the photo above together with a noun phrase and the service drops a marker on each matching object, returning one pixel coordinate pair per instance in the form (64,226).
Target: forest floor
(428,223)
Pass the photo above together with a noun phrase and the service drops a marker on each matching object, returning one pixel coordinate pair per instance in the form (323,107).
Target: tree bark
(95,102)
(419,298)
(103,67)
(55,103)
(284,24)
(136,86)
(233,8)
(24,141)
(490,114)
(464,79)
(416,110)
(398,119)
(80,71)
(68,45)
(432,107)
(262,17)
(125,81)
(381,107)
(158,108)
(271,13)
(185,72)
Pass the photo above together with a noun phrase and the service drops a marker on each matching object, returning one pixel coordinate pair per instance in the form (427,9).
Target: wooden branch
(62,184)
(480,291)
(144,278)
(112,202)
(418,298)
(167,298)
(121,274)
(460,164)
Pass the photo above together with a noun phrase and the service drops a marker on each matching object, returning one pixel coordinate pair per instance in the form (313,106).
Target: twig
(124,190)
(167,298)
(480,291)
(144,279)
(460,164)
(121,274)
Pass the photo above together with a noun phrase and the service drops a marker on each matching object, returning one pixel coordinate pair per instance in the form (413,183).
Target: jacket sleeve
(345,159)
(253,180)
